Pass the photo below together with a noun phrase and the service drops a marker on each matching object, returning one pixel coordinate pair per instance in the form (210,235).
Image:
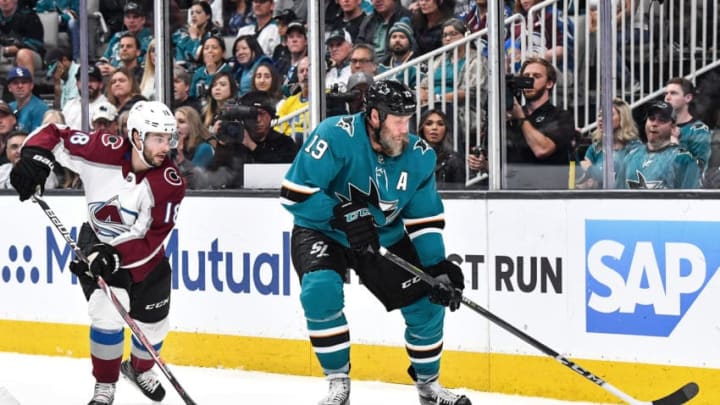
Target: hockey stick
(113,298)
(680,396)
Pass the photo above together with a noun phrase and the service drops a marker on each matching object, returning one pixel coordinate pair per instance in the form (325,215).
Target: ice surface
(44,380)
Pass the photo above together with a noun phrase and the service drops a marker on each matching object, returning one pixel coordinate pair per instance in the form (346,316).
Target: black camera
(514,85)
(335,96)
(233,117)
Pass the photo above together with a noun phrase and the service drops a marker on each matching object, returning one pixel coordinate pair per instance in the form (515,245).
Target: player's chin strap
(679,396)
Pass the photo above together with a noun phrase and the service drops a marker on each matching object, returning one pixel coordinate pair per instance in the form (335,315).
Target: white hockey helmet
(152,116)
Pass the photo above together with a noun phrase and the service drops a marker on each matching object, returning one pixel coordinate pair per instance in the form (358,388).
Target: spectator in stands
(68,12)
(298,126)
(374,29)
(193,149)
(427,23)
(264,28)
(73,108)
(21,36)
(12,155)
(222,89)
(281,54)
(358,84)
(625,139)
(660,164)
(267,79)
(339,45)
(188,39)
(134,20)
(547,36)
(476,18)
(400,50)
(692,134)
(434,129)
(147,82)
(7,125)
(362,59)
(104,119)
(28,108)
(349,18)
(213,52)
(447,88)
(124,90)
(248,55)
(122,123)
(297,48)
(128,53)
(539,134)
(238,17)
(62,69)
(264,144)
(181,90)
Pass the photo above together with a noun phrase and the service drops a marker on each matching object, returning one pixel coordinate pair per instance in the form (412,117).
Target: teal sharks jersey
(671,167)
(337,163)
(695,137)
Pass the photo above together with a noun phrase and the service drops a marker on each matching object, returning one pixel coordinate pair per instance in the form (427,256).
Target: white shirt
(268,38)
(72,111)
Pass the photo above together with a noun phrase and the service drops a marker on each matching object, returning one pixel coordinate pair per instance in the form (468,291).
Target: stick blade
(681,396)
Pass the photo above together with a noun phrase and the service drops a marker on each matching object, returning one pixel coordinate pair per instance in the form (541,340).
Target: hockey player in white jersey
(133,192)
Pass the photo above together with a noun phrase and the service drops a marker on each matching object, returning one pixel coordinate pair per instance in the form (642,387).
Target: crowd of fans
(227,100)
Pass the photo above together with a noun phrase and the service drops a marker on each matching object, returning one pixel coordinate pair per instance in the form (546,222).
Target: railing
(653,42)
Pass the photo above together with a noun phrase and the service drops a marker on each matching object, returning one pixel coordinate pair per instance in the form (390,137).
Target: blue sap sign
(643,276)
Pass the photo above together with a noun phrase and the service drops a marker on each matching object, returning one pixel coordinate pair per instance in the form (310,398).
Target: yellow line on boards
(512,374)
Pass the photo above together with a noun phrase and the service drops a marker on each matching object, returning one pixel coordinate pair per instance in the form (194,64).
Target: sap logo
(643,276)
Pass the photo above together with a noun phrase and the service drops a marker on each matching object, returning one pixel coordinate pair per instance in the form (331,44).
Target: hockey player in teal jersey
(660,164)
(360,181)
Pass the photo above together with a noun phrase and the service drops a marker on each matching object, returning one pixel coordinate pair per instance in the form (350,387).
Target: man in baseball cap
(29,108)
(660,110)
(104,118)
(339,44)
(73,108)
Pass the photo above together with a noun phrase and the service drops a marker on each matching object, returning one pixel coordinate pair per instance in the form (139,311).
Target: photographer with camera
(244,135)
(539,134)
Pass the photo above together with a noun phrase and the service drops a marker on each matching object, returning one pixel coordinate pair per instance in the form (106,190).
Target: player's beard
(153,160)
(392,145)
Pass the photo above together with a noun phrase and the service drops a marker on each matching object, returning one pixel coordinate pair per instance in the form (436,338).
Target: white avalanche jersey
(134,212)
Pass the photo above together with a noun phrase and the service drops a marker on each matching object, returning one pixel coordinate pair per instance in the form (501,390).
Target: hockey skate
(147,381)
(104,394)
(432,393)
(339,391)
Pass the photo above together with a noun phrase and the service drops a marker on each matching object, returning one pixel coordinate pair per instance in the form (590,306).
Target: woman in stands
(267,79)
(213,57)
(247,56)
(625,139)
(193,148)
(188,39)
(124,90)
(428,17)
(147,83)
(222,89)
(434,129)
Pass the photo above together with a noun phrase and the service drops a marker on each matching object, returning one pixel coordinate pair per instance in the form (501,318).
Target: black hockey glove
(450,284)
(354,218)
(104,260)
(31,171)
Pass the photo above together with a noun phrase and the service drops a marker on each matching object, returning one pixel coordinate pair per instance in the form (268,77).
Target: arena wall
(627,288)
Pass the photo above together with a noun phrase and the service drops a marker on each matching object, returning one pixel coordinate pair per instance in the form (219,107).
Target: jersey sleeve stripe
(295,192)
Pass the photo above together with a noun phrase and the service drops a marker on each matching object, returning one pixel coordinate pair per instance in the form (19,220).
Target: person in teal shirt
(28,108)
(625,139)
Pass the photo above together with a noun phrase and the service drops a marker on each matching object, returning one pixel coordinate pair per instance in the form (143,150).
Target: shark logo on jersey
(642,183)
(422,145)
(109,218)
(347,124)
(372,198)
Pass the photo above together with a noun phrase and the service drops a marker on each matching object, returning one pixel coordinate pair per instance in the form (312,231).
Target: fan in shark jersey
(358,182)
(133,195)
(661,164)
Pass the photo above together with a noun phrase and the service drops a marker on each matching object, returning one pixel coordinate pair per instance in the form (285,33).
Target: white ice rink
(41,380)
